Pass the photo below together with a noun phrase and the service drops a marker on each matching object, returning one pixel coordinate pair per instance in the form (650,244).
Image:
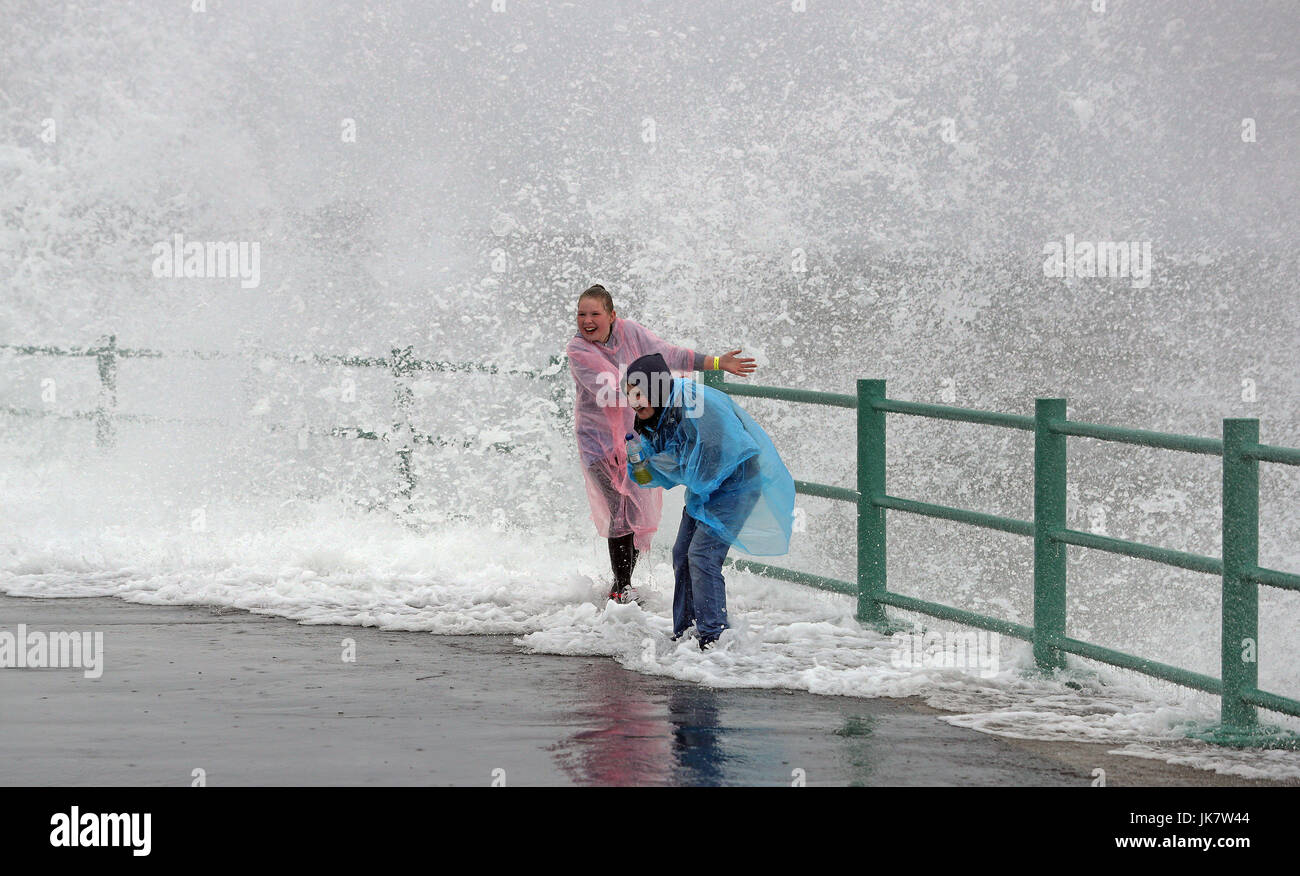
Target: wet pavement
(254,700)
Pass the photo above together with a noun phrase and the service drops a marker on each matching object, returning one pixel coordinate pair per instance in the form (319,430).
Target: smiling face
(594,321)
(638,402)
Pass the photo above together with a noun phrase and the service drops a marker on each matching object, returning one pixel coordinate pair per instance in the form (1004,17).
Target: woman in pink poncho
(599,354)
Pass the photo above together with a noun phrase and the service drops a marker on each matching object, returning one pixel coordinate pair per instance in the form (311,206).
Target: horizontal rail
(128,418)
(120,352)
(332,432)
(947,612)
(1181,559)
(960,515)
(1271,701)
(39,350)
(296,358)
(1153,668)
(781,393)
(820,582)
(962,415)
(1142,437)
(809,488)
(36,412)
(1185,677)
(1274,578)
(483,369)
(1269,453)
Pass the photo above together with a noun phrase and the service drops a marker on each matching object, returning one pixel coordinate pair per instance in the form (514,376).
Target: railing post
(106,358)
(1049,518)
(714,379)
(871,517)
(559,387)
(1239,644)
(400,364)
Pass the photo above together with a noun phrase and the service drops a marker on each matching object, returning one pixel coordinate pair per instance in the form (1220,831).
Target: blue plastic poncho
(736,483)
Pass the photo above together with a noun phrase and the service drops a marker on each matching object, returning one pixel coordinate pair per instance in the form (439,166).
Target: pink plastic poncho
(602,417)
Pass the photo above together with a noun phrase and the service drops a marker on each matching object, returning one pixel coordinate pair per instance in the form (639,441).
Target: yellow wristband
(716,367)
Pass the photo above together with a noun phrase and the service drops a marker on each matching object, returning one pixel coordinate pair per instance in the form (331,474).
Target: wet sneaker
(688,633)
(624,595)
(708,643)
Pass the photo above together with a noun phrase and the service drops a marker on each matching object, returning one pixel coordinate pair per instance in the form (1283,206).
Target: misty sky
(707,131)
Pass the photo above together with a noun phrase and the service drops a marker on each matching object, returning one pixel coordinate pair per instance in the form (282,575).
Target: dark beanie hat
(651,374)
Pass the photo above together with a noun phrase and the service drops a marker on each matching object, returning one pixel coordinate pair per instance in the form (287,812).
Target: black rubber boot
(622,559)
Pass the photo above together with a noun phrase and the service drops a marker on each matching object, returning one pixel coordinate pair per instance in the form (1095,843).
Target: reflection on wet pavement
(638,730)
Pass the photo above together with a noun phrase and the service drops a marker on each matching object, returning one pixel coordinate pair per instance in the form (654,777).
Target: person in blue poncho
(738,491)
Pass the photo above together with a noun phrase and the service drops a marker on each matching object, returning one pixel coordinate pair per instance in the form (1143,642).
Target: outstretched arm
(741,366)
(682,359)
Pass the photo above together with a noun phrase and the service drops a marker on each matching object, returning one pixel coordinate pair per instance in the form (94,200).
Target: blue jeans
(700,594)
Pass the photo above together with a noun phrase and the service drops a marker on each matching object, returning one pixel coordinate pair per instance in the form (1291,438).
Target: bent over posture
(738,491)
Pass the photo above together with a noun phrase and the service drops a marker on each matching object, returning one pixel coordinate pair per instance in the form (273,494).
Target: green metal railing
(1238,684)
(1238,567)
